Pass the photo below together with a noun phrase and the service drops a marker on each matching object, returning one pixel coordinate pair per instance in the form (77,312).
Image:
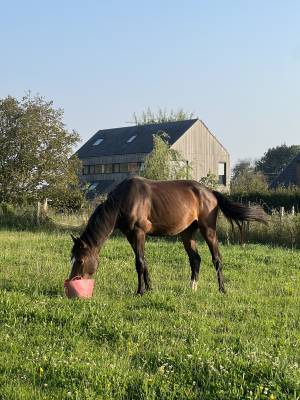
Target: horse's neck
(100,225)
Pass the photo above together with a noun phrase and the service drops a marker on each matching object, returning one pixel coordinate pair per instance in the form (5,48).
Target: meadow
(169,344)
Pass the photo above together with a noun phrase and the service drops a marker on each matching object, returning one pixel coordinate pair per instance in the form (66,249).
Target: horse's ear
(82,244)
(79,242)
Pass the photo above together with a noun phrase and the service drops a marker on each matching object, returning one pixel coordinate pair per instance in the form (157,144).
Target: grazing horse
(140,207)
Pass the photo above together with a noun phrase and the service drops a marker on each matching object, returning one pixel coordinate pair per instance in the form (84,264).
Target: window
(116,167)
(98,141)
(222,173)
(93,186)
(85,170)
(108,168)
(92,169)
(99,169)
(131,139)
(123,167)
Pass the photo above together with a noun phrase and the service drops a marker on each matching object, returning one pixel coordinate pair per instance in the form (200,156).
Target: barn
(290,176)
(112,155)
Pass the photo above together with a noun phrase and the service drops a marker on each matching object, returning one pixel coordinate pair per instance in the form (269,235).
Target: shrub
(22,217)
(270,200)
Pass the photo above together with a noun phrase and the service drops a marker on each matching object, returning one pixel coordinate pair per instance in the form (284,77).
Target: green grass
(169,344)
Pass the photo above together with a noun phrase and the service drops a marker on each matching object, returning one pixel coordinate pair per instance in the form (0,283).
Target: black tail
(238,212)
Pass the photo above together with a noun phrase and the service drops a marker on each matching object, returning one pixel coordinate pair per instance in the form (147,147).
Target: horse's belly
(171,227)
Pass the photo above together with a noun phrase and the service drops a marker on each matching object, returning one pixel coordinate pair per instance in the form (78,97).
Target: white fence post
(293,210)
(281,212)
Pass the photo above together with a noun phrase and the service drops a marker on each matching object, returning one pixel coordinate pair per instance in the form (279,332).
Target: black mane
(101,222)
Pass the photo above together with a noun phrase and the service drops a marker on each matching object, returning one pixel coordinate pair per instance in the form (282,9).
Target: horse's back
(163,207)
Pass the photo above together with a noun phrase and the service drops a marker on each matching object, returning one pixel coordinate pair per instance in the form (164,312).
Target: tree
(149,117)
(35,150)
(276,159)
(246,179)
(164,163)
(210,181)
(242,167)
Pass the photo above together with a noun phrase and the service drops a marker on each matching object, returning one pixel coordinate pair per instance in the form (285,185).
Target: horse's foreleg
(147,279)
(194,258)
(137,240)
(139,264)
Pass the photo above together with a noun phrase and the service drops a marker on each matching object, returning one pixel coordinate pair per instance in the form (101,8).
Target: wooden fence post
(281,213)
(248,223)
(45,206)
(38,212)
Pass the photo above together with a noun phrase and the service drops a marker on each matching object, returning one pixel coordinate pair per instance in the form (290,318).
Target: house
(112,155)
(290,175)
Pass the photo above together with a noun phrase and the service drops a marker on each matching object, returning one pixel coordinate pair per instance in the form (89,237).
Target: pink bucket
(79,287)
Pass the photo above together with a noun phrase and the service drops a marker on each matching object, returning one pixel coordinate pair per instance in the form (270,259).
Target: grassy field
(169,344)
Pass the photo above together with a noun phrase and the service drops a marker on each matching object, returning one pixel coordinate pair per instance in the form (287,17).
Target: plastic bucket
(79,287)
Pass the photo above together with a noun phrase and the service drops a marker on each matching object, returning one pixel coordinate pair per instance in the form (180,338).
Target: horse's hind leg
(137,240)
(194,258)
(210,236)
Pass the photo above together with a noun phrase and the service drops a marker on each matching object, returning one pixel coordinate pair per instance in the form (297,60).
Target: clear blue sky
(235,64)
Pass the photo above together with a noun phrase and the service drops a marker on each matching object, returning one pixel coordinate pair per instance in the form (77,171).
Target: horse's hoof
(194,285)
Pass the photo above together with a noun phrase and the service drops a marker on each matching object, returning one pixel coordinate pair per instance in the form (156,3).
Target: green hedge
(272,199)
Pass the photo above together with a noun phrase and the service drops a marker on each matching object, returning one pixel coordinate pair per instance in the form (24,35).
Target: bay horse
(139,207)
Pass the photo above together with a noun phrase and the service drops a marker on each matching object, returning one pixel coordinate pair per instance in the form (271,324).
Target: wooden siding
(203,151)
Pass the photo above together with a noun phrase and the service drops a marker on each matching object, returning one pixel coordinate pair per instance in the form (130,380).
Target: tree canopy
(35,150)
(162,115)
(276,159)
(164,163)
(242,167)
(246,179)
(210,181)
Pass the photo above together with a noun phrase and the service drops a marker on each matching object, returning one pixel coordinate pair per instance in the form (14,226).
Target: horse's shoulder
(132,186)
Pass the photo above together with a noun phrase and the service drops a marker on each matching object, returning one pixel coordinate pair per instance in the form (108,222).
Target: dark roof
(99,187)
(115,140)
(289,175)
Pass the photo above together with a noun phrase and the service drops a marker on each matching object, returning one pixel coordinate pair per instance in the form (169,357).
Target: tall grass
(21,217)
(280,231)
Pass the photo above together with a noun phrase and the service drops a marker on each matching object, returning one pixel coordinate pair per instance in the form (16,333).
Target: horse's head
(84,261)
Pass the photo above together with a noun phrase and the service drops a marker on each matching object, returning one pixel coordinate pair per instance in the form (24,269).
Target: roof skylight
(131,139)
(93,186)
(98,141)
